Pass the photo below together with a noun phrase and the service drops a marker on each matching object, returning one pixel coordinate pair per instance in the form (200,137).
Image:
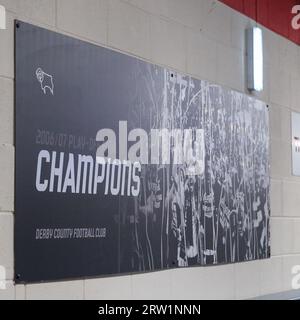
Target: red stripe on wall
(275,15)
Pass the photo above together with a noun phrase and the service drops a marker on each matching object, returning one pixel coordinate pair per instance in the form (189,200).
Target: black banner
(123,166)
(150,309)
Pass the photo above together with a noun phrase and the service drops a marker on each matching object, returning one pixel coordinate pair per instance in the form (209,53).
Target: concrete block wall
(205,39)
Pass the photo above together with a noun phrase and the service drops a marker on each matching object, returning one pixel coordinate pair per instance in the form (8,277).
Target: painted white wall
(203,38)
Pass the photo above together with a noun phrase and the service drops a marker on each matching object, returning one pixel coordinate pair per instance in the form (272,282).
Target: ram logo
(297,144)
(46,81)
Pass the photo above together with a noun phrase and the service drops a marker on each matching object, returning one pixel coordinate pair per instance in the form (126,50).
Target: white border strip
(2,17)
